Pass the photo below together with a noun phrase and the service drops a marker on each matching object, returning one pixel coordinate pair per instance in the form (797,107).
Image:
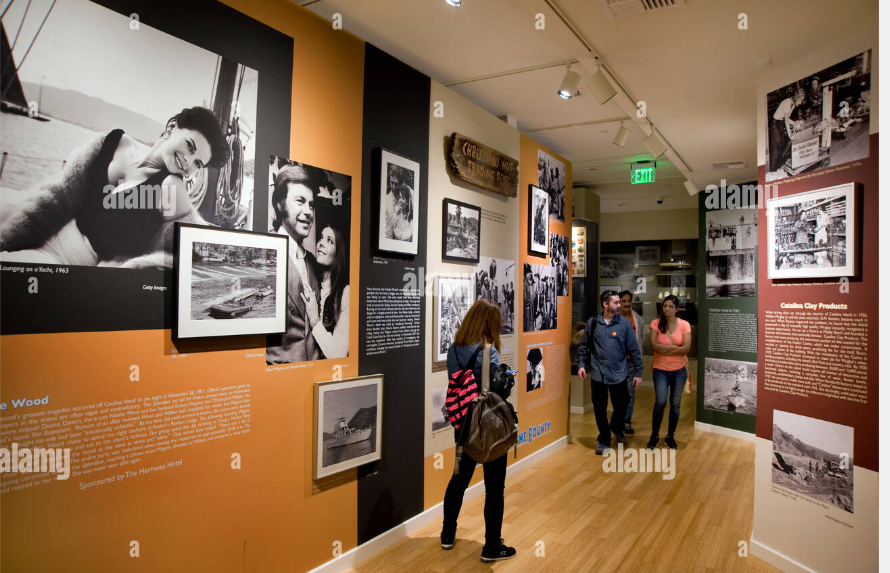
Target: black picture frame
(230,321)
(455,233)
(537,247)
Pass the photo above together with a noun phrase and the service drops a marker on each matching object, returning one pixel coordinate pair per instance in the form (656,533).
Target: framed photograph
(494,281)
(461,226)
(229,282)
(538,220)
(454,295)
(348,420)
(399,200)
(552,179)
(813,234)
(821,120)
(534,369)
(731,249)
(648,255)
(538,297)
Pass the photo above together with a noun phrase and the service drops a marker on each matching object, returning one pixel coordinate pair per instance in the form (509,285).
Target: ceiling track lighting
(621,135)
(691,188)
(455,3)
(601,87)
(569,83)
(655,145)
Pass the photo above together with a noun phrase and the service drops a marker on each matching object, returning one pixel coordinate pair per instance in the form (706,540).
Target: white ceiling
(692,66)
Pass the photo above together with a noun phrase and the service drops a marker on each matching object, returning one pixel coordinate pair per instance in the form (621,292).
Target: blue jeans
(667,381)
(630,402)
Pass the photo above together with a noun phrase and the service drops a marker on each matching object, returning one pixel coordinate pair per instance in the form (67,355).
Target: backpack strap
(486,369)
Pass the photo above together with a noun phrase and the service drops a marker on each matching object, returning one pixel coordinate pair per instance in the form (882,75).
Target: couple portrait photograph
(311,206)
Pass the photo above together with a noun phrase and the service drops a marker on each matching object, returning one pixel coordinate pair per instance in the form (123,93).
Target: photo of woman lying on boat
(116,200)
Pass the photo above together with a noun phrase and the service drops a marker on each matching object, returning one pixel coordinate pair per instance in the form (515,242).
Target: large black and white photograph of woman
(461,227)
(813,458)
(494,281)
(399,201)
(559,260)
(813,234)
(454,295)
(820,120)
(731,248)
(538,221)
(312,208)
(539,297)
(730,386)
(229,282)
(534,369)
(110,135)
(552,179)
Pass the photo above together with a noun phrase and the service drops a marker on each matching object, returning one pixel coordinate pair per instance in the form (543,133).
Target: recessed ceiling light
(455,3)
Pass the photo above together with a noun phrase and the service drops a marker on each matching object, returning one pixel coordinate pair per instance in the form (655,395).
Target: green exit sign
(642,173)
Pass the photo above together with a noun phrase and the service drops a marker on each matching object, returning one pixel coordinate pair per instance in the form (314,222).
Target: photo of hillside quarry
(813,458)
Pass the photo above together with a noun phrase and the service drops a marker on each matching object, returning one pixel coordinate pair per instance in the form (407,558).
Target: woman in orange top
(671,339)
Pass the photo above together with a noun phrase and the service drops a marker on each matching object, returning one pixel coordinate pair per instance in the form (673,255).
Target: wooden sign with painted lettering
(483,166)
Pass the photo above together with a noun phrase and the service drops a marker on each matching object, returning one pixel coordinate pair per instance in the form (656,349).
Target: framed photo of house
(229,282)
(461,227)
(538,220)
(399,200)
(814,234)
(348,420)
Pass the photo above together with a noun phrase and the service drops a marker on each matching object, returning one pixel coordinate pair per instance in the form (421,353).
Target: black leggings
(495,473)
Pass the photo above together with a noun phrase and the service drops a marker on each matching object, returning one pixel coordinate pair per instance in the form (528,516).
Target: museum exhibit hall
(270,271)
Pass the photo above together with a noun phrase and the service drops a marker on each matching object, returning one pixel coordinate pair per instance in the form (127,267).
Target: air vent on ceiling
(625,8)
(721,165)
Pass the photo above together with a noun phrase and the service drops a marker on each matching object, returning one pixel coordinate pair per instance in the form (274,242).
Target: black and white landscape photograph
(731,252)
(461,226)
(349,416)
(730,386)
(494,281)
(559,260)
(539,297)
(552,179)
(813,458)
(534,369)
(233,282)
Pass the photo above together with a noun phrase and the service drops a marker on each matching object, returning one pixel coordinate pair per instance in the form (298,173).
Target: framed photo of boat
(229,282)
(348,420)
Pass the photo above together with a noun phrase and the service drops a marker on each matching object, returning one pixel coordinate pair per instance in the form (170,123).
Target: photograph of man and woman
(311,206)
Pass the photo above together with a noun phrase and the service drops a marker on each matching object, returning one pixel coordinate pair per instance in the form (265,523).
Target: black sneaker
(602,449)
(447,540)
(621,438)
(499,554)
(671,442)
(653,442)
(628,429)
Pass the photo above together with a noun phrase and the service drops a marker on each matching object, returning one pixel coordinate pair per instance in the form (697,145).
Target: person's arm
(335,344)
(633,351)
(53,204)
(584,351)
(657,346)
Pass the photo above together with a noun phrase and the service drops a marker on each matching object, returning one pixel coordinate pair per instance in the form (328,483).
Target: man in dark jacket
(609,351)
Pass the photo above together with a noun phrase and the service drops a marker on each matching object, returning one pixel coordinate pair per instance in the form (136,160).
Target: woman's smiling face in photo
(327,248)
(185,151)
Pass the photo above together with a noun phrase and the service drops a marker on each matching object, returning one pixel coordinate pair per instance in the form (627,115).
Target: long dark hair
(339,280)
(482,323)
(662,319)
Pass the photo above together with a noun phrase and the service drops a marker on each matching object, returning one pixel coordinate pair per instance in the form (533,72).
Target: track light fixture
(621,135)
(569,83)
(691,188)
(655,145)
(600,86)
(455,3)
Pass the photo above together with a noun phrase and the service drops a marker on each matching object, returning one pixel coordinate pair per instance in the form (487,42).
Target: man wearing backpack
(609,351)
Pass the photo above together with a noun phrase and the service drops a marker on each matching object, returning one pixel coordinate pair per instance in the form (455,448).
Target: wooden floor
(590,520)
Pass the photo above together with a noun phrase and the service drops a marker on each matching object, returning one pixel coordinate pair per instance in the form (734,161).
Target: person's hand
(582,374)
(311,306)
(637,381)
